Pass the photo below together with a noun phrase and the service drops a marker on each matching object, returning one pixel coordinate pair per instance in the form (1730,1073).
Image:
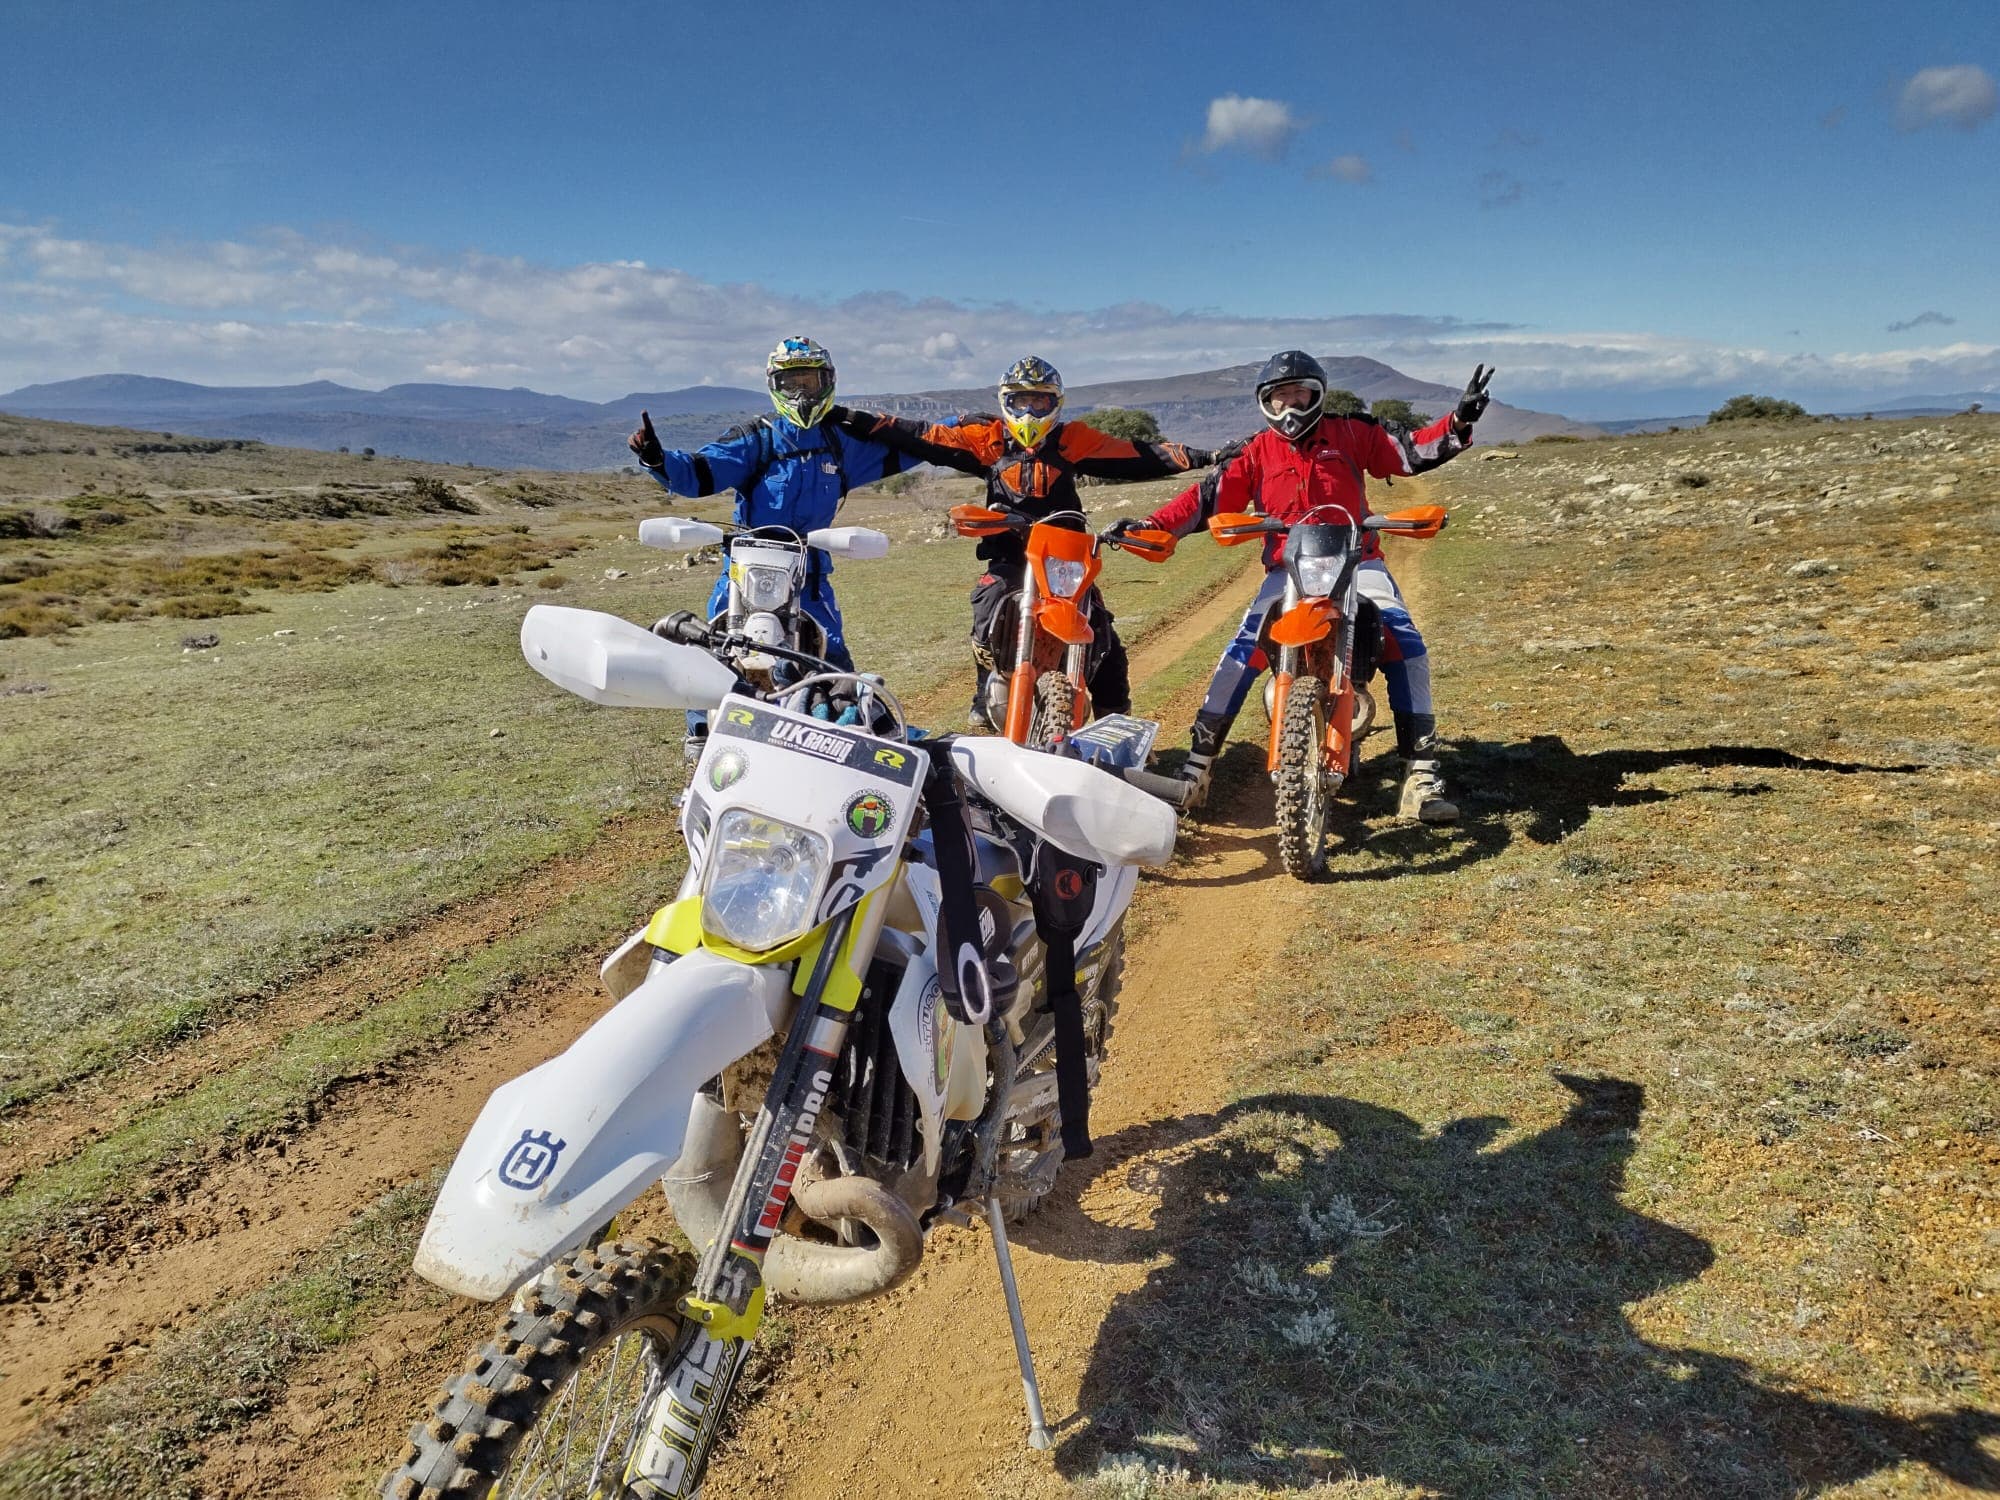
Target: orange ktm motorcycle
(1323,642)
(1044,647)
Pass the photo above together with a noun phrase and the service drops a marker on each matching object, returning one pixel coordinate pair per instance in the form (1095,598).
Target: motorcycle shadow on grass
(1558,789)
(1337,1294)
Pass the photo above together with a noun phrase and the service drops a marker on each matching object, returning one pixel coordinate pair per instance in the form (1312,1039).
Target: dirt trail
(888,1416)
(229,1226)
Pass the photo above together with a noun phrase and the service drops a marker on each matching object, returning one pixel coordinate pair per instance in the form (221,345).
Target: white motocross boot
(1424,798)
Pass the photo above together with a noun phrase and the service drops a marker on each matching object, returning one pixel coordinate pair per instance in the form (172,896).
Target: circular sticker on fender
(869,814)
(727,769)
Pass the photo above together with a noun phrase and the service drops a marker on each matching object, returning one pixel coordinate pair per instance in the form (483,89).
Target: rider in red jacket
(1306,459)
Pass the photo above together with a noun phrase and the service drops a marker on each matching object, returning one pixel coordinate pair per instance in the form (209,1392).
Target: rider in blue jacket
(792,470)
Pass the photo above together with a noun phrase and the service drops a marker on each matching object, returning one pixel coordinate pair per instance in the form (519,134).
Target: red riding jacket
(1286,479)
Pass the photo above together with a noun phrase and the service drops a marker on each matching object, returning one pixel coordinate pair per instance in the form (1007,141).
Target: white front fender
(559,1150)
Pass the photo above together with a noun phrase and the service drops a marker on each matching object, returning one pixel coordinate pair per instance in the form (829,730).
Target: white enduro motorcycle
(768,571)
(891,964)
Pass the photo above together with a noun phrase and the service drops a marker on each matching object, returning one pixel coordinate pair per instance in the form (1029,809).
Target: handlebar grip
(1169,789)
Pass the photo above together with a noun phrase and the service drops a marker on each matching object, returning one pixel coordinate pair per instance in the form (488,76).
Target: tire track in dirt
(58,1125)
(223,1227)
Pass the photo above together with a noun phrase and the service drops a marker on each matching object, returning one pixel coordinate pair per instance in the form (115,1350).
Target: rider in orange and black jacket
(1031,462)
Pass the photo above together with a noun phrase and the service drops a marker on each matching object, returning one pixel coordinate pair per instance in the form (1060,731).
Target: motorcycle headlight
(1318,575)
(766,588)
(763,880)
(1065,578)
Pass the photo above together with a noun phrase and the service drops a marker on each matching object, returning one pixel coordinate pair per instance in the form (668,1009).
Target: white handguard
(673,534)
(1078,808)
(618,664)
(863,543)
(559,1150)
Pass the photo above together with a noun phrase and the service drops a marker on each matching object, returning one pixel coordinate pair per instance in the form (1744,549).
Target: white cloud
(1349,168)
(946,346)
(1263,127)
(299,310)
(1963,96)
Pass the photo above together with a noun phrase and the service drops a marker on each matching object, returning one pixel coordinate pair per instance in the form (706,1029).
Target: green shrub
(1394,412)
(1341,402)
(1757,409)
(1124,422)
(34,619)
(206,606)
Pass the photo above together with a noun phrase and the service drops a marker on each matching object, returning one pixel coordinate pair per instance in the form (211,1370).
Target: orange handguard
(1232,528)
(1419,521)
(979,520)
(1147,544)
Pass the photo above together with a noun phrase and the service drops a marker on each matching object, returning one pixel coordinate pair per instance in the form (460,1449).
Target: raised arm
(1102,456)
(970,447)
(1391,452)
(1229,487)
(720,465)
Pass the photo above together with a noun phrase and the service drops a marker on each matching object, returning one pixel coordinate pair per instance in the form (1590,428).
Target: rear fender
(559,1150)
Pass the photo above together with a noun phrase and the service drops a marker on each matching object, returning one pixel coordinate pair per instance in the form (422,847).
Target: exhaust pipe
(697,1186)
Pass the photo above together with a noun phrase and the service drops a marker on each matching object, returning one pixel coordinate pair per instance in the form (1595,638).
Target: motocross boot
(1204,744)
(1424,796)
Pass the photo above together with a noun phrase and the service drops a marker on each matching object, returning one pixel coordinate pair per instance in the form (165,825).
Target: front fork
(1021,689)
(725,1307)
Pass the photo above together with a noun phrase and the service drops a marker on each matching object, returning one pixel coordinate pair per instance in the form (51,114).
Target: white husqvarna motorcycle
(889,968)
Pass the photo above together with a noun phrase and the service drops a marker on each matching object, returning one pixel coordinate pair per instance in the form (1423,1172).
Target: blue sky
(1627,208)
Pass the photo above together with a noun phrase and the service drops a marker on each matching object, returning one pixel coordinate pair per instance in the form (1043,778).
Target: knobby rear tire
(576,1310)
(1301,794)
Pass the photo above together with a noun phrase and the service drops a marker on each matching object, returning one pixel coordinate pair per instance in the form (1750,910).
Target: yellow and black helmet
(800,376)
(1031,397)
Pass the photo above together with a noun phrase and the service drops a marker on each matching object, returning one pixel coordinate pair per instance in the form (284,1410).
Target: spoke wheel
(1302,794)
(551,1407)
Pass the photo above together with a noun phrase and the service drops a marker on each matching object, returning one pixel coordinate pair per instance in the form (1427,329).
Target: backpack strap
(1063,889)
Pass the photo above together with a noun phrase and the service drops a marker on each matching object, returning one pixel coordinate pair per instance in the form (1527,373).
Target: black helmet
(1292,367)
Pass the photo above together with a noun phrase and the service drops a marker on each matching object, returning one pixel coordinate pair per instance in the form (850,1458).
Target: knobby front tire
(556,1395)
(1301,794)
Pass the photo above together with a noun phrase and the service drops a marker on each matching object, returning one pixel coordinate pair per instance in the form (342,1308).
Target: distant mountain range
(520,428)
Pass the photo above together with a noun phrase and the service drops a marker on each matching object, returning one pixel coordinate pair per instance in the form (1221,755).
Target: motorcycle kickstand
(1038,1427)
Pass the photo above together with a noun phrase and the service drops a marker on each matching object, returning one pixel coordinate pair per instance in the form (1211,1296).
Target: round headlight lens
(1065,578)
(762,880)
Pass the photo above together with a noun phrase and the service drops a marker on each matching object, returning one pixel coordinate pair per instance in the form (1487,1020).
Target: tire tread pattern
(554,1326)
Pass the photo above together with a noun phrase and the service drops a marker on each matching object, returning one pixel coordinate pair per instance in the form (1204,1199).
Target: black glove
(1228,451)
(1129,523)
(1472,405)
(646,444)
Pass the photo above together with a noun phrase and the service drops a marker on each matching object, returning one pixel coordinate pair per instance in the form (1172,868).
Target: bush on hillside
(1124,422)
(1394,412)
(1341,402)
(1757,409)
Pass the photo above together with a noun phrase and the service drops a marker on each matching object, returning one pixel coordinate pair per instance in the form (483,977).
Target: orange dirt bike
(1323,642)
(1043,644)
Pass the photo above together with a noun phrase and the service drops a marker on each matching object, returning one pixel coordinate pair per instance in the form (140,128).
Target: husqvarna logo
(529,1160)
